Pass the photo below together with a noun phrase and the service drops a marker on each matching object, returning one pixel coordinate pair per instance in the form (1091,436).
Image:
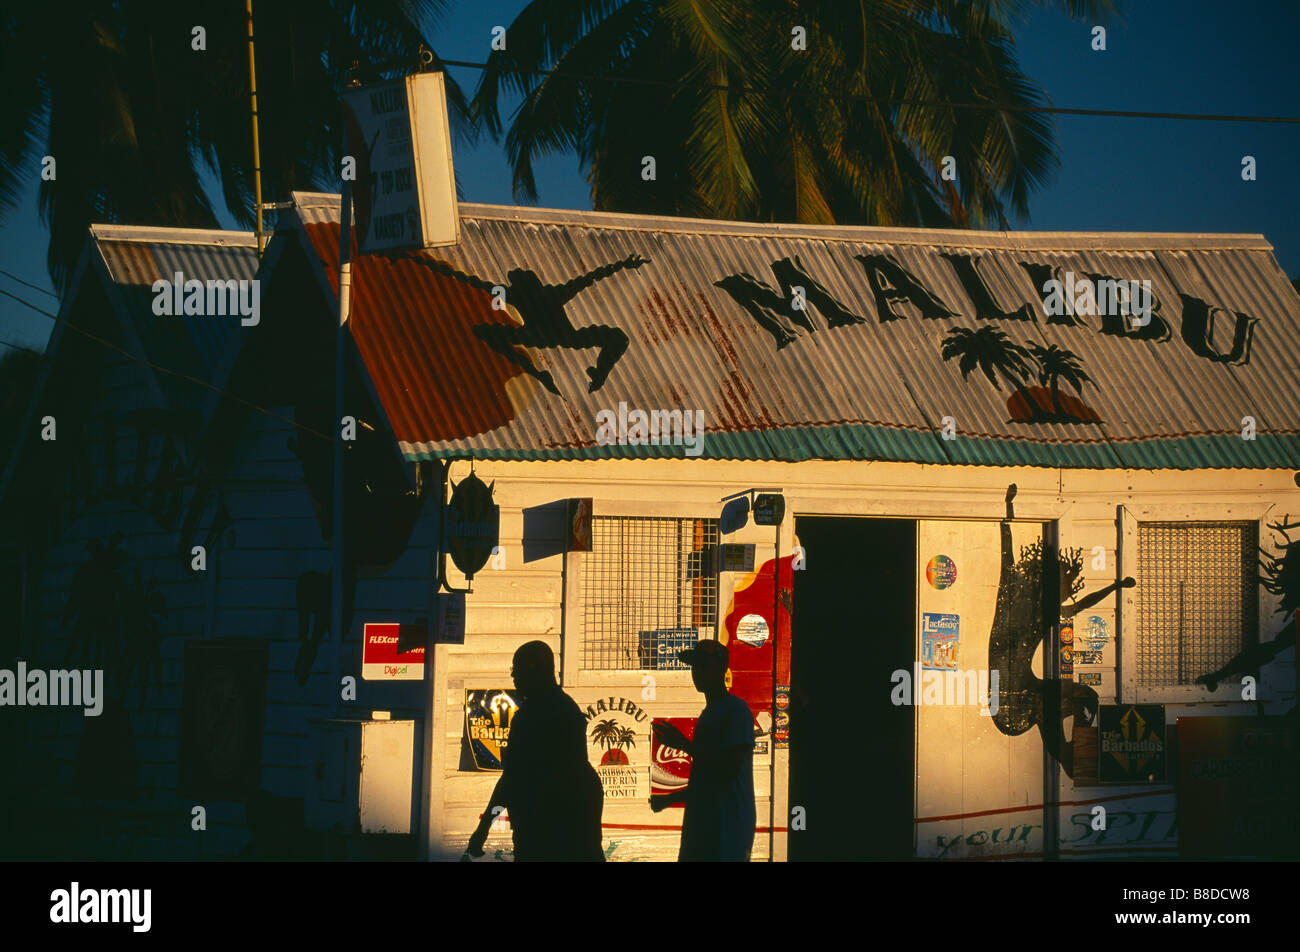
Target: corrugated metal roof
(138,256)
(448,367)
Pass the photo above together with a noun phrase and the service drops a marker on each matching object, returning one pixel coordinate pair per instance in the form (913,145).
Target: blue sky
(1116,174)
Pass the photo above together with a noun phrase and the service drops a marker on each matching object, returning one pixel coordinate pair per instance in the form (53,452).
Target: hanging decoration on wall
(471,524)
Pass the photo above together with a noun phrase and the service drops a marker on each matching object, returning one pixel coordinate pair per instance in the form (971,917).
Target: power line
(175,373)
(29,284)
(803,94)
(27,350)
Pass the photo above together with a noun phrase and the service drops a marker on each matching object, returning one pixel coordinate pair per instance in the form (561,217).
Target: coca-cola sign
(670,768)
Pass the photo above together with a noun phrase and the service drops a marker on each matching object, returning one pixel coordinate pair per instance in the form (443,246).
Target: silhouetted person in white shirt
(718,824)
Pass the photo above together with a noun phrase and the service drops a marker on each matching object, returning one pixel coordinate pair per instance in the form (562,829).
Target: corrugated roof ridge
(177,236)
(1028,240)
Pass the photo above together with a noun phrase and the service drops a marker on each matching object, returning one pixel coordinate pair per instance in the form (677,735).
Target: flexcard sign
(382,661)
(404,196)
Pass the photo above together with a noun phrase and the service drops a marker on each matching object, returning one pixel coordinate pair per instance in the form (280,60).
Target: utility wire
(175,373)
(29,284)
(26,350)
(802,94)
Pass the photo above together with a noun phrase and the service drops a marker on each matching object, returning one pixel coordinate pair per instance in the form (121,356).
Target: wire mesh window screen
(648,591)
(1196,597)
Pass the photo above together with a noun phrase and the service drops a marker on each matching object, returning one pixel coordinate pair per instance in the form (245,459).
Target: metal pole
(257,153)
(776,650)
(1053,713)
(345,302)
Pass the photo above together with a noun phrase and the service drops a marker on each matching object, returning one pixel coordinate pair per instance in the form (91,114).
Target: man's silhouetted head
(534,668)
(709,661)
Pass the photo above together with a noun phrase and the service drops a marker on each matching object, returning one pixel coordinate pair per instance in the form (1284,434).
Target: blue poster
(939,641)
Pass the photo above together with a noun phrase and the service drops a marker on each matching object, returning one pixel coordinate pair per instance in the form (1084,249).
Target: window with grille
(648,591)
(1197,598)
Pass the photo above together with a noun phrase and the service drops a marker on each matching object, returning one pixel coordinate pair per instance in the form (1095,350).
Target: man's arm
(671,736)
(495,806)
(661,801)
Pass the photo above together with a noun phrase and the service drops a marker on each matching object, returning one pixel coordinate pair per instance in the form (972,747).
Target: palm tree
(792,134)
(1055,364)
(992,352)
(606,733)
(132,114)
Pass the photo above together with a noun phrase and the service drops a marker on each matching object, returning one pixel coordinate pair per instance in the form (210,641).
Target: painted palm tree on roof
(133,115)
(798,130)
(1054,365)
(992,352)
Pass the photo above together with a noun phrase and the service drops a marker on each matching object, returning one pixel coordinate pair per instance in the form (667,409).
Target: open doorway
(851,749)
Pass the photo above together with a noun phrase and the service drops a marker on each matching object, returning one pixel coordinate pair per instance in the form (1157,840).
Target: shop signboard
(404,192)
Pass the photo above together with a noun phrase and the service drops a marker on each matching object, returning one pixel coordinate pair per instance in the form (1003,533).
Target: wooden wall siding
(249,592)
(526,600)
(276,538)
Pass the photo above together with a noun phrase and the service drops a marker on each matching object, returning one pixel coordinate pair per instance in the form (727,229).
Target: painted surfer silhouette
(545,323)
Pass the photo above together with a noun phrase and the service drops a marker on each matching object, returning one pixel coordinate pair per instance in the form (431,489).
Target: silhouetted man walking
(551,792)
(718,825)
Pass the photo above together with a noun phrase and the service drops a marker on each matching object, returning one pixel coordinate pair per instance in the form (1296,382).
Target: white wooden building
(935,424)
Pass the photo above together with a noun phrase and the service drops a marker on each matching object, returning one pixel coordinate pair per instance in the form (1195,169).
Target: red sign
(380,658)
(577,516)
(751,665)
(670,768)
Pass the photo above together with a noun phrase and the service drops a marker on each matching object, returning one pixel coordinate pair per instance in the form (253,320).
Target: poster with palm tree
(608,735)
(620,778)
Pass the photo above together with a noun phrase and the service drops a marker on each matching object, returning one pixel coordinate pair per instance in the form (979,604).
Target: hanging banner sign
(404,194)
(769,509)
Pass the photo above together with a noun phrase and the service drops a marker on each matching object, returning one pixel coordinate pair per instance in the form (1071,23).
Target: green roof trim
(872,443)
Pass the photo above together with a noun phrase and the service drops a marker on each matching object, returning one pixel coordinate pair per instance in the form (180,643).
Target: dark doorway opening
(851,749)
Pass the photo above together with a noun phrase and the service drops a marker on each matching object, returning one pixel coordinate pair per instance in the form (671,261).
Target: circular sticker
(1094,633)
(941,572)
(752,630)
(782,700)
(1067,633)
